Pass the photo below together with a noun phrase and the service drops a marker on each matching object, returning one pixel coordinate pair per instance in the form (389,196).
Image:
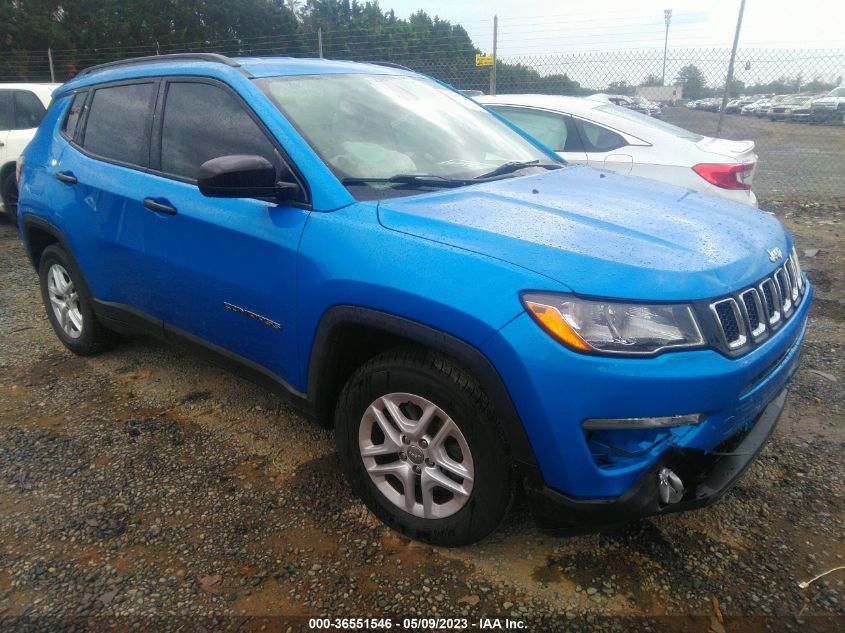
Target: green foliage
(692,79)
(87,32)
(789,85)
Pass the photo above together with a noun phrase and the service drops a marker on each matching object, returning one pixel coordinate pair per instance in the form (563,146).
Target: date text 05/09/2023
(416,624)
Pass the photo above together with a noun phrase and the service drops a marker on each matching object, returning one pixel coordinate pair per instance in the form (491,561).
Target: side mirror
(243,176)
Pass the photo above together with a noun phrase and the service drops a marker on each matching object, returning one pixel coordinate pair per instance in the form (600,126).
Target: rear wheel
(68,307)
(422,447)
(9,192)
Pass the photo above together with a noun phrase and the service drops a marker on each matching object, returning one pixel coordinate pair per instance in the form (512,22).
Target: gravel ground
(144,489)
(795,159)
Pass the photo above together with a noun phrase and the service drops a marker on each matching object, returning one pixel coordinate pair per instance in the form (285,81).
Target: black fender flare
(461,351)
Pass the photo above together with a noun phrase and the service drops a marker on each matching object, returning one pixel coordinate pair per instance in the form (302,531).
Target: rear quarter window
(599,139)
(74,113)
(118,125)
(28,110)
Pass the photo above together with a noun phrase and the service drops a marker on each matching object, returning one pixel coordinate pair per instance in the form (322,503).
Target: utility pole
(320,40)
(493,68)
(667,17)
(730,78)
(50,59)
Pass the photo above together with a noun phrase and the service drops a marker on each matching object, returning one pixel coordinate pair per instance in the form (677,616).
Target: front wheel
(421,446)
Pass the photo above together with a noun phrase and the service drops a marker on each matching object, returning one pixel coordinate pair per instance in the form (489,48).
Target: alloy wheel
(416,455)
(64,299)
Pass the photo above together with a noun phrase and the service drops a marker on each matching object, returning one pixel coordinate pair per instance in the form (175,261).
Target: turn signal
(551,320)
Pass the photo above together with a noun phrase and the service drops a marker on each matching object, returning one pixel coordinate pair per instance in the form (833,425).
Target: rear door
(222,270)
(553,129)
(100,178)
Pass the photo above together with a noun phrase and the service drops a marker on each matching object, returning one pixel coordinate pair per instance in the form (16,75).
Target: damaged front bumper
(705,476)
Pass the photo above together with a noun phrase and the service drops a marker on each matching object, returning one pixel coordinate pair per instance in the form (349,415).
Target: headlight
(612,327)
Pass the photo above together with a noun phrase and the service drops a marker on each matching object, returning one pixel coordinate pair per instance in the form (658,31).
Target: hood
(600,233)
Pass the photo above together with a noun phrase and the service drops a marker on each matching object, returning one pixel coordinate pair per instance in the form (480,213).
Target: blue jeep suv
(473,316)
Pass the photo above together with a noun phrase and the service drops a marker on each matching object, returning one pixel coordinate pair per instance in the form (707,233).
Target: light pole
(667,17)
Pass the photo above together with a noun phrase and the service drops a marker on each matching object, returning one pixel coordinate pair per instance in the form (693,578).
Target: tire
(61,285)
(9,192)
(402,383)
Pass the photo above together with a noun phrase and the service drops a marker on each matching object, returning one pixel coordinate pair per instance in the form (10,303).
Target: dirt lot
(146,489)
(796,160)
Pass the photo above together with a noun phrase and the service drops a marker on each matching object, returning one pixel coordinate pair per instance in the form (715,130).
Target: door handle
(159,207)
(66,177)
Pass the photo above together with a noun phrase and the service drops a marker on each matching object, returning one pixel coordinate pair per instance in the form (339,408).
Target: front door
(222,270)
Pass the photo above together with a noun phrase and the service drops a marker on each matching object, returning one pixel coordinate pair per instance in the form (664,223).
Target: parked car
(468,313)
(829,107)
(635,103)
(22,106)
(641,104)
(803,112)
(784,110)
(751,108)
(765,107)
(601,134)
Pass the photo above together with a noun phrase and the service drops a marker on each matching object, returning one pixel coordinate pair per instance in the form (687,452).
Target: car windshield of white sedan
(378,127)
(837,92)
(644,119)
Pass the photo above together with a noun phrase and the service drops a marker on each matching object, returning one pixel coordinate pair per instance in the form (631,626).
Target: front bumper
(555,390)
(706,477)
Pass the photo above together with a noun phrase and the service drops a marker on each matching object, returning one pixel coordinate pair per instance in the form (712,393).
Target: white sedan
(599,133)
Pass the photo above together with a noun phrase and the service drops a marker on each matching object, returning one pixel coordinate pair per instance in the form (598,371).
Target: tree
(692,80)
(652,80)
(620,88)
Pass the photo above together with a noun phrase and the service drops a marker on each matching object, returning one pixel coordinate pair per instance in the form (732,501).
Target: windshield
(644,119)
(837,92)
(376,127)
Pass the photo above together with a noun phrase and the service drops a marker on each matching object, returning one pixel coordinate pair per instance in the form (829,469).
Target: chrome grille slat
(747,316)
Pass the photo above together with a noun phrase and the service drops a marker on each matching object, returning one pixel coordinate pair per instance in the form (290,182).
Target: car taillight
(726,176)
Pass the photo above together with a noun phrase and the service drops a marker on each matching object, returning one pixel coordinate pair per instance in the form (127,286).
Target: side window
(599,139)
(5,110)
(28,110)
(201,122)
(118,126)
(552,130)
(73,114)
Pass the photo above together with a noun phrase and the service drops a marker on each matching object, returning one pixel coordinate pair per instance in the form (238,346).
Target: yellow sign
(484,60)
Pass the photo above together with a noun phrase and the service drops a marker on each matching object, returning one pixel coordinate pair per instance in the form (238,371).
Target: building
(661,94)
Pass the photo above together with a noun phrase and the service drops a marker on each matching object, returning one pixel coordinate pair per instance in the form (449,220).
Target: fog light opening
(670,488)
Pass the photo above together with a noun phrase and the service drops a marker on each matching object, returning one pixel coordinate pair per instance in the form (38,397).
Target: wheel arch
(348,336)
(38,234)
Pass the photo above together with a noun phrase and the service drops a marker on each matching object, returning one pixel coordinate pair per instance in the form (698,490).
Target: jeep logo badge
(774,254)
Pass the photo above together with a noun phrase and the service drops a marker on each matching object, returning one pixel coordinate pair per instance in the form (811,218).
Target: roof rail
(392,65)
(202,57)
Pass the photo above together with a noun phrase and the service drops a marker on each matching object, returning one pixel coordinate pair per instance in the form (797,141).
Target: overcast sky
(542,27)
(530,26)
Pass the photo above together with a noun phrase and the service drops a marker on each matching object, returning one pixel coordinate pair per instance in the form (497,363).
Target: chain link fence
(799,157)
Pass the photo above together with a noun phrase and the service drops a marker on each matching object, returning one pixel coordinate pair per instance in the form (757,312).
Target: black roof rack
(202,57)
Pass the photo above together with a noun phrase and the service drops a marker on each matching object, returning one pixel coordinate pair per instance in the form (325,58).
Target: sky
(532,26)
(545,27)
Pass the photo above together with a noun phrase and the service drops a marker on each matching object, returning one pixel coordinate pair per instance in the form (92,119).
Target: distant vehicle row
(814,108)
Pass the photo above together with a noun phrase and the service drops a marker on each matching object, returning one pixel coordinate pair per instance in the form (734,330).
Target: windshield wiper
(516,165)
(421,180)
